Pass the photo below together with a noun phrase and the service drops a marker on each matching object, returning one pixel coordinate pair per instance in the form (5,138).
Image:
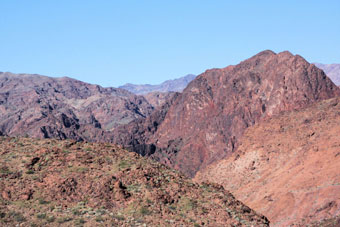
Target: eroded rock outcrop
(205,122)
(53,182)
(288,166)
(45,107)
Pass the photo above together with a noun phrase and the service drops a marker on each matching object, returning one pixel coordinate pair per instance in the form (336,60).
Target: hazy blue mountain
(331,70)
(169,85)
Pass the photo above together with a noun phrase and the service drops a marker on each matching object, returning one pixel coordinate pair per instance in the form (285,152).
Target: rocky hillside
(332,71)
(176,85)
(45,107)
(68,183)
(288,167)
(204,123)
(158,99)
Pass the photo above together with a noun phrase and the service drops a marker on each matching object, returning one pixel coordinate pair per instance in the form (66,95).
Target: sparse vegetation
(82,188)
(64,220)
(30,171)
(144,211)
(41,216)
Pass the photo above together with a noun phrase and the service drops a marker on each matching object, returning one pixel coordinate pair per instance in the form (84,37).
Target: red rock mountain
(203,124)
(288,166)
(45,107)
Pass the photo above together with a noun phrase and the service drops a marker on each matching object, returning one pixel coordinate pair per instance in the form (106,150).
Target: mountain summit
(205,122)
(167,86)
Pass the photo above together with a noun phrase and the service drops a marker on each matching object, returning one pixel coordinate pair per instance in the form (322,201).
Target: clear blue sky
(114,42)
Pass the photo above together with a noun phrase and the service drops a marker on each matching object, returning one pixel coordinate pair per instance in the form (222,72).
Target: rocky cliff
(288,166)
(204,123)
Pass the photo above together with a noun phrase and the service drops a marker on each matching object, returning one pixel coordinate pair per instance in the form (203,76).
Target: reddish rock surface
(158,99)
(204,123)
(68,183)
(45,107)
(288,167)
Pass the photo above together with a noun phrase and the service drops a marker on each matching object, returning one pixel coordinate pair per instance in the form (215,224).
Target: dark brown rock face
(44,107)
(204,123)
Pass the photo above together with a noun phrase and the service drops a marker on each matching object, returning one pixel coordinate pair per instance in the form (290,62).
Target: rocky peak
(206,121)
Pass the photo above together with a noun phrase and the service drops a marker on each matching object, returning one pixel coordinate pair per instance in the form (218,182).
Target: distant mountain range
(332,71)
(167,86)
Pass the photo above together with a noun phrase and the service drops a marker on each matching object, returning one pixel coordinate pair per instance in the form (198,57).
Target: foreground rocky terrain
(51,183)
(44,107)
(332,71)
(204,124)
(176,85)
(288,166)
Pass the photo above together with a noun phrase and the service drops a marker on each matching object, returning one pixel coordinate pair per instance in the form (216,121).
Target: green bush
(50,219)
(41,216)
(30,171)
(17,216)
(144,211)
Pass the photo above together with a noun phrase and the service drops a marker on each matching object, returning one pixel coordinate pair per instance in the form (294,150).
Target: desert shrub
(99,219)
(64,219)
(42,201)
(2,215)
(17,216)
(118,217)
(41,216)
(50,219)
(80,221)
(124,164)
(144,211)
(30,171)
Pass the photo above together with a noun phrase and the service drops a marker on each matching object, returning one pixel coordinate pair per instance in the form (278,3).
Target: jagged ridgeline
(205,122)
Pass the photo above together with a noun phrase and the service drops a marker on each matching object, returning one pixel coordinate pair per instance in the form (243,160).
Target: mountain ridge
(204,122)
(42,107)
(175,85)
